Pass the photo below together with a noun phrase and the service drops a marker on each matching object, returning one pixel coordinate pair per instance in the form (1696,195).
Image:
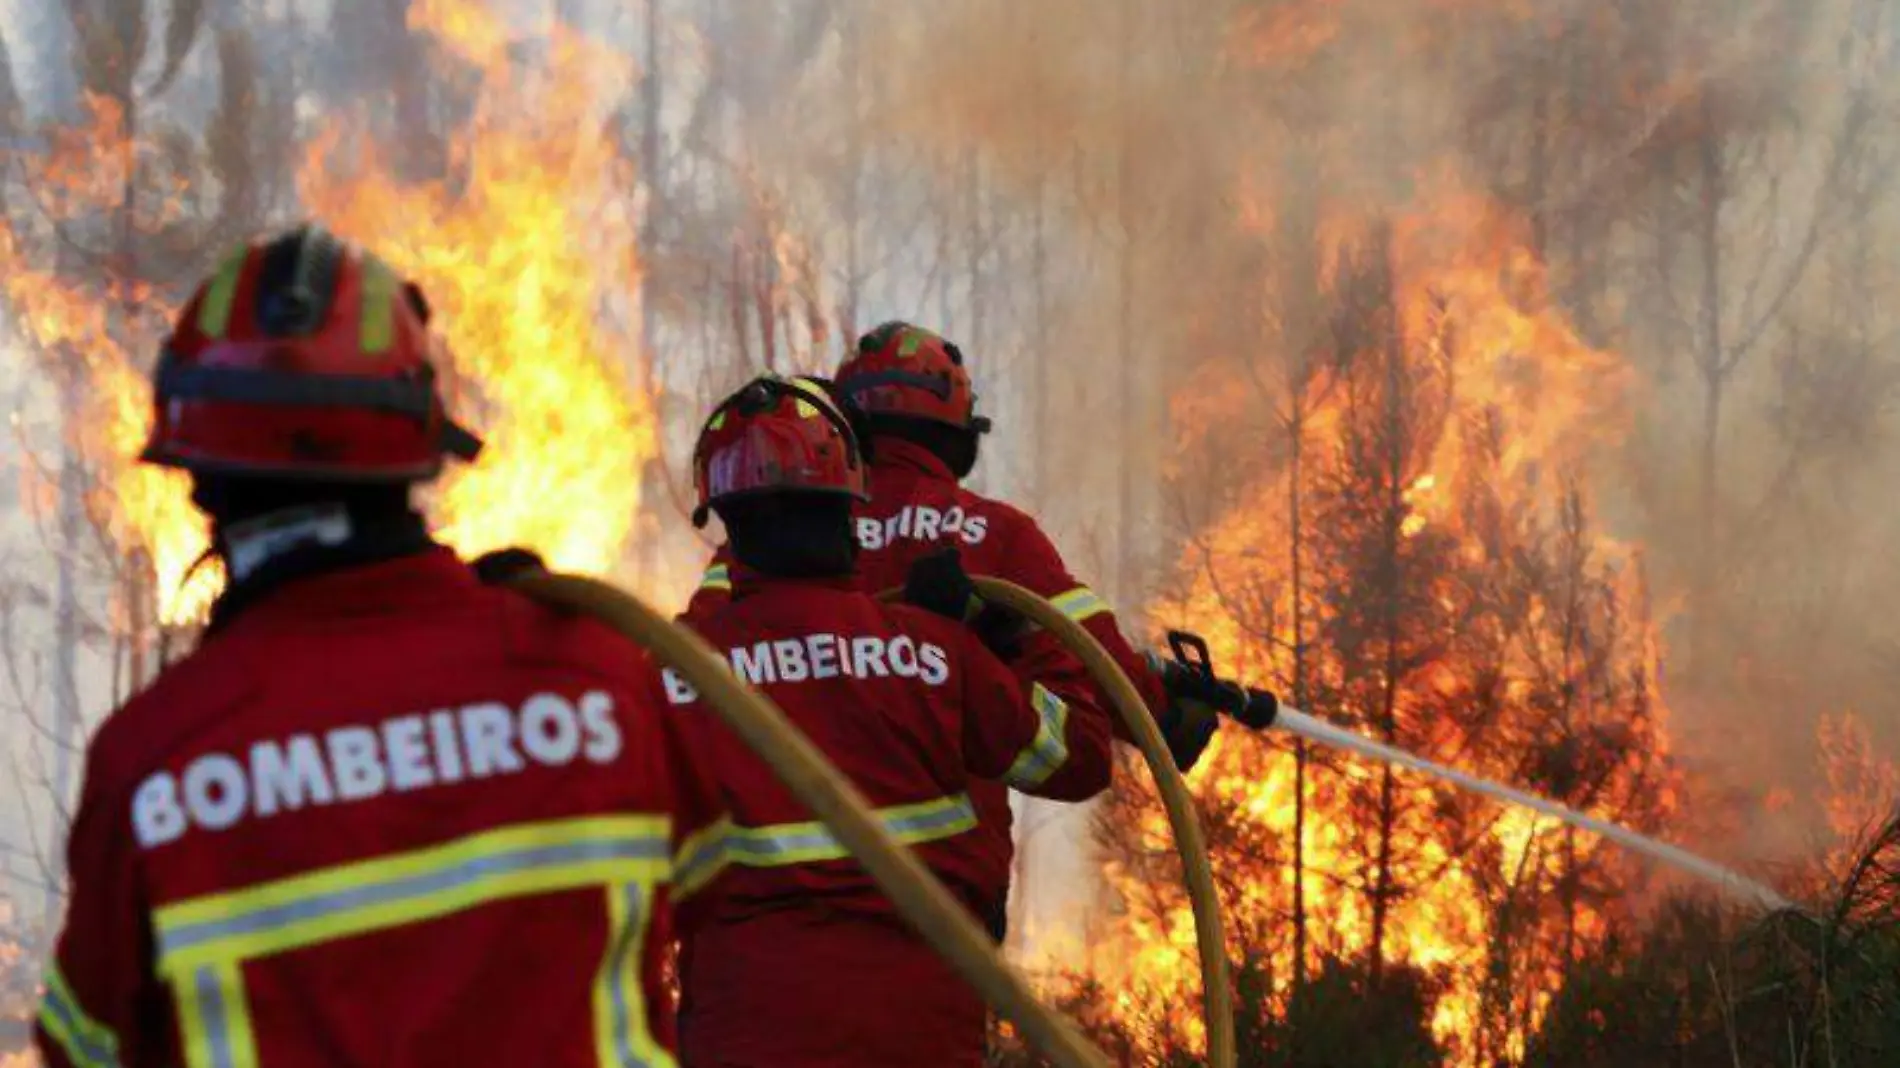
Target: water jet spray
(1734,883)
(1258,709)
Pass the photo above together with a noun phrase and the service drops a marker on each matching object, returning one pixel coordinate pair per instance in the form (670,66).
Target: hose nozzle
(1191,674)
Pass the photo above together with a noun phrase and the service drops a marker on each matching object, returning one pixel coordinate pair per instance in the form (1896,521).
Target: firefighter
(791,957)
(913,397)
(385,814)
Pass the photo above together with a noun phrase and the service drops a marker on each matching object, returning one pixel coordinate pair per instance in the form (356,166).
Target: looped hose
(1217,997)
(944,923)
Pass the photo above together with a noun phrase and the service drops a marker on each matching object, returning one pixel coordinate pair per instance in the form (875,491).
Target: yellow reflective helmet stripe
(1080,603)
(912,340)
(1049,749)
(214,313)
(717,577)
(86,1042)
(379,306)
(814,396)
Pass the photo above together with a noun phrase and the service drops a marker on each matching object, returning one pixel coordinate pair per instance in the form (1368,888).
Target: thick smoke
(1704,182)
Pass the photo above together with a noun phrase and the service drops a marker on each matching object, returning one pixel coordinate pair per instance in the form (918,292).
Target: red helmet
(304,358)
(776,436)
(908,372)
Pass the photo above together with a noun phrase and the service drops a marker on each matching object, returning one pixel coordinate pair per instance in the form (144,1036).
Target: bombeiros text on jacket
(818,657)
(216,790)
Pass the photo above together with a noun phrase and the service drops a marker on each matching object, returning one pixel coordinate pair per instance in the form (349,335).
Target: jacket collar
(749,583)
(433,574)
(897,454)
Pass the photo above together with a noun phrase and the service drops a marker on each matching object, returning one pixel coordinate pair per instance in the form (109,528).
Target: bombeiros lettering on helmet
(921,522)
(217,791)
(822,657)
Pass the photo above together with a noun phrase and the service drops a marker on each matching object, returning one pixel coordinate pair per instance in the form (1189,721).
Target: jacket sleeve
(102,1003)
(715,584)
(1038,567)
(1026,736)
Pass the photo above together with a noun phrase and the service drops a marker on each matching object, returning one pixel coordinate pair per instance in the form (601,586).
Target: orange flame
(146,511)
(512,259)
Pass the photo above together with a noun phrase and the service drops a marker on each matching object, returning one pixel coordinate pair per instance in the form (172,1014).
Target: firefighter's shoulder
(188,699)
(532,633)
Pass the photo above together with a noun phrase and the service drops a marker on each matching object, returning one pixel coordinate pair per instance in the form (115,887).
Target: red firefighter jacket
(388,816)
(791,956)
(917,507)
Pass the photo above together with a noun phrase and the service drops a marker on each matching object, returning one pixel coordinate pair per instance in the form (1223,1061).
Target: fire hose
(1216,992)
(944,923)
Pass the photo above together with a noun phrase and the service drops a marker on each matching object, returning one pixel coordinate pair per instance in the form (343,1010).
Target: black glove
(1188,727)
(937,583)
(502,565)
(1189,722)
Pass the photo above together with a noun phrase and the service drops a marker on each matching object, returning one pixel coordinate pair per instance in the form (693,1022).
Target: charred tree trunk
(66,712)
(1296,434)
(1574,561)
(978,248)
(1039,331)
(853,297)
(1125,351)
(1711,363)
(652,89)
(1392,453)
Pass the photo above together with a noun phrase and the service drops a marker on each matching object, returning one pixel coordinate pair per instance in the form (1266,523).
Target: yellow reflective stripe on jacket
(214,1017)
(700,858)
(1049,749)
(717,577)
(204,942)
(1080,603)
(623,1037)
(786,844)
(87,1042)
(371,895)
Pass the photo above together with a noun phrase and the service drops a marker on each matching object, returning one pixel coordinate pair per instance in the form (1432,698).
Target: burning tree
(1412,553)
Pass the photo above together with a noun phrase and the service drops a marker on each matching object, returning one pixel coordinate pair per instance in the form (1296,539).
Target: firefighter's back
(793,957)
(392,816)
